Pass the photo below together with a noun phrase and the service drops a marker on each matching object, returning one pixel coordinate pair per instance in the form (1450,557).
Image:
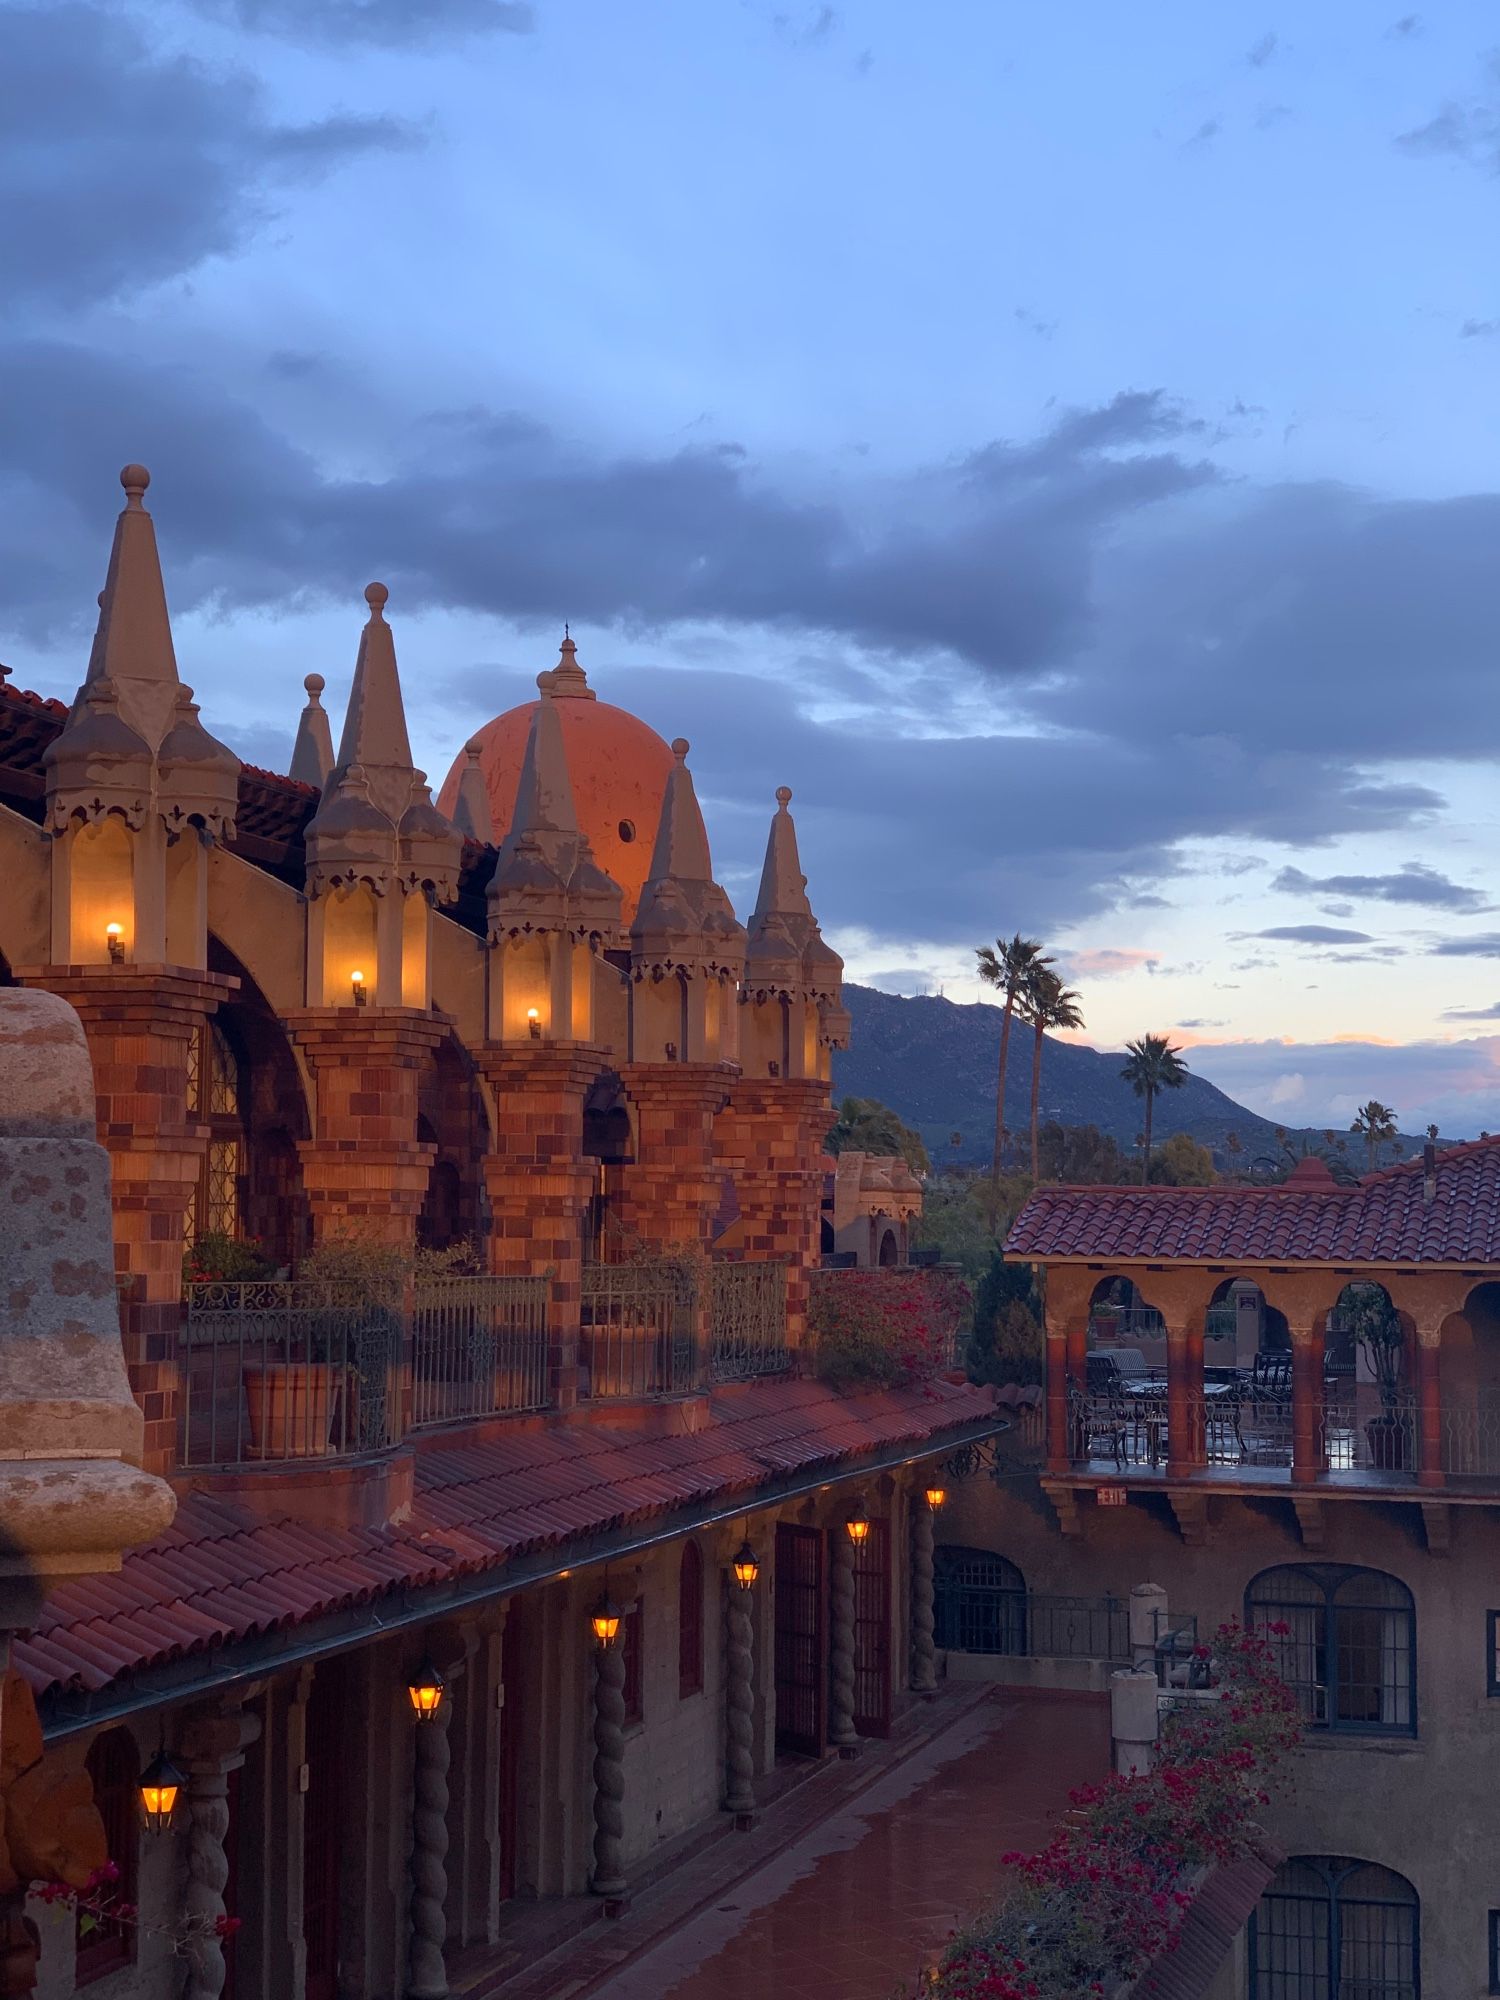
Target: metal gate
(872,1632)
(801,1652)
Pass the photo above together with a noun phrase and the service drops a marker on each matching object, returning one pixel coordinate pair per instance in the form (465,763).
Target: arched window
(1346,1644)
(979,1601)
(214,1094)
(114,1765)
(1332,1928)
(690,1622)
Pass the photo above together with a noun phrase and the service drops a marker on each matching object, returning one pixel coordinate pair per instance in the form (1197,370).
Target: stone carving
(609,1771)
(923,1651)
(428,1978)
(739,1704)
(841,1730)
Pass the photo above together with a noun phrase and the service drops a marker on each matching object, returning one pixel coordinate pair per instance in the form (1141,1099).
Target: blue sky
(1056,441)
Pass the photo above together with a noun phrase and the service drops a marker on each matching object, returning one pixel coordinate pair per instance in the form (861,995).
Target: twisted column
(609,1771)
(841,1730)
(207,1874)
(739,1704)
(427,1976)
(923,1651)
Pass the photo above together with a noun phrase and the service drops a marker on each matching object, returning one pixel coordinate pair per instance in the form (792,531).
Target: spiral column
(207,1793)
(739,1703)
(923,1650)
(427,1976)
(609,1772)
(841,1730)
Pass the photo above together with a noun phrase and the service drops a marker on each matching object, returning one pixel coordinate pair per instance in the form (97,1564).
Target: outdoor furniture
(1099,1425)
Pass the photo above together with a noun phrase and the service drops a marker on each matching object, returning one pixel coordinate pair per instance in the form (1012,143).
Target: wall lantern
(936,1496)
(426,1689)
(357,987)
(857,1525)
(604,1622)
(534,1022)
(114,937)
(746,1568)
(161,1781)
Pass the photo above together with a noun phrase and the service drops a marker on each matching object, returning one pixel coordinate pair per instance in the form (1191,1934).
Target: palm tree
(1007,967)
(1046,1003)
(1375,1123)
(1154,1064)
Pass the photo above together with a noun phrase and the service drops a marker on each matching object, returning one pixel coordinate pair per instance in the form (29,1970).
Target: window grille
(979,1602)
(690,1622)
(1349,1650)
(1333,1928)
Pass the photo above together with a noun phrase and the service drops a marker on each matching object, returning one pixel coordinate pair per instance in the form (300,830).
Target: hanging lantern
(936,1496)
(857,1525)
(161,1781)
(426,1690)
(746,1568)
(604,1621)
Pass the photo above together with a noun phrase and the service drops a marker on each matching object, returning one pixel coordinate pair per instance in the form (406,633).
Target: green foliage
(1006,1343)
(1375,1124)
(964,1216)
(865,1125)
(1181,1162)
(216,1256)
(1080,1156)
(1377,1331)
(874,1329)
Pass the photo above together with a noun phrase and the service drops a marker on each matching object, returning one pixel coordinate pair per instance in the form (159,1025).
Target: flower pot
(291,1406)
(1389,1442)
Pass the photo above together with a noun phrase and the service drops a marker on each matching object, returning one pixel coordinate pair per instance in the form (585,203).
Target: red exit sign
(1110,1496)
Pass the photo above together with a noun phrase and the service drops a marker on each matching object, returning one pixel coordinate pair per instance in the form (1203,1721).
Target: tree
(1007,967)
(1007,1341)
(1080,1156)
(1375,1123)
(1045,1003)
(865,1125)
(1181,1162)
(1154,1065)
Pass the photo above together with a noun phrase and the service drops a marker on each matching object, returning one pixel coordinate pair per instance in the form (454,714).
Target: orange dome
(618,766)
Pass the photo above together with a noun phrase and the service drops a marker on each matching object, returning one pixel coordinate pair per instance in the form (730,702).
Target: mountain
(933,1062)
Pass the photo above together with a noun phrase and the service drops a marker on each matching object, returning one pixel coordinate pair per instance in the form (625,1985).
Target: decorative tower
(312,753)
(471,809)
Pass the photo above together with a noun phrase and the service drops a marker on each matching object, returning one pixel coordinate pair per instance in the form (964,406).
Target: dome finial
(783,796)
(680,748)
(567,678)
(135,479)
(377,597)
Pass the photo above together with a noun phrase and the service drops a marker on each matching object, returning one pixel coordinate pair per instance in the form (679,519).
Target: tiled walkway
(853,1907)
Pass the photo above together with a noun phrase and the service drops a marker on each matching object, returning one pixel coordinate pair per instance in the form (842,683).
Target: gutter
(67,1712)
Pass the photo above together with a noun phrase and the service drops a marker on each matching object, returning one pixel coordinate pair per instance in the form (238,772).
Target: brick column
(669,1194)
(770,1142)
(538,1181)
(364,1170)
(141,1022)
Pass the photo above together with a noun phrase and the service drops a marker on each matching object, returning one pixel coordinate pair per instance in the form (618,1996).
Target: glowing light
(746,1567)
(426,1691)
(161,1781)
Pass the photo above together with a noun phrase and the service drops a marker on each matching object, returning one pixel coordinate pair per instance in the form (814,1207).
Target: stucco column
(923,1651)
(1308,1344)
(210,1744)
(769,1141)
(608,1878)
(739,1700)
(1184,1395)
(427,1975)
(841,1731)
(1065,1306)
(1430,1407)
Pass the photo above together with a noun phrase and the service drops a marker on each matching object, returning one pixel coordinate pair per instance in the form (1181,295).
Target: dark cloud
(1408,25)
(903,981)
(1490,1013)
(386,24)
(1465,129)
(123,167)
(1483,944)
(1258,56)
(1414,883)
(1479,329)
(1312,934)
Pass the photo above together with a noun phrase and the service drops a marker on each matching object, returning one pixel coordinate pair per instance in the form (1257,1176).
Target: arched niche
(248,1078)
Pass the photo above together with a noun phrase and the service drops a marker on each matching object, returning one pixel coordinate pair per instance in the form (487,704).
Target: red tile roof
(223,1572)
(1220,1911)
(1385,1219)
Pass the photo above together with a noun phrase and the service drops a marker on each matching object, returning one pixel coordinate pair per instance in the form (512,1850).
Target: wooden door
(322,1826)
(801,1642)
(872,1632)
(510,1750)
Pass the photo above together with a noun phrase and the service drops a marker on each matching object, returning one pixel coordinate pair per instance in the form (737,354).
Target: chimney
(1429,1171)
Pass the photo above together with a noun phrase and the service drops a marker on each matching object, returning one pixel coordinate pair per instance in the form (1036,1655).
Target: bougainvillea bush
(876,1328)
(1105,1897)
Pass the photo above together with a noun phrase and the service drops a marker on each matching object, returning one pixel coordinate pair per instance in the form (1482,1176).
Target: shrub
(873,1329)
(225,1259)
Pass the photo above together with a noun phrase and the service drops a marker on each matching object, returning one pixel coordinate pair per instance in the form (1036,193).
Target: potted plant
(311,1371)
(1378,1336)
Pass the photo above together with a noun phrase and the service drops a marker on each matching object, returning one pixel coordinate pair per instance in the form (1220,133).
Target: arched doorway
(890,1249)
(609,1141)
(1369,1419)
(1247,1377)
(451,1118)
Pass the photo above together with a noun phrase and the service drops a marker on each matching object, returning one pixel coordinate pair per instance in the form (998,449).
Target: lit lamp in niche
(604,1623)
(425,1690)
(114,937)
(936,1496)
(857,1525)
(746,1568)
(534,1023)
(357,988)
(161,1781)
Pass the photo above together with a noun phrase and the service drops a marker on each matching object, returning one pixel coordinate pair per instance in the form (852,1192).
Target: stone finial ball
(474,748)
(376,596)
(783,795)
(680,747)
(314,683)
(135,479)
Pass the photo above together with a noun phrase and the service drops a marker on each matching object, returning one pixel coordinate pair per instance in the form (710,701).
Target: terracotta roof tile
(223,1573)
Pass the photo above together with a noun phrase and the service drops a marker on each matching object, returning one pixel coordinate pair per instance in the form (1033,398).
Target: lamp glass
(936,1495)
(746,1567)
(857,1526)
(604,1620)
(425,1690)
(161,1781)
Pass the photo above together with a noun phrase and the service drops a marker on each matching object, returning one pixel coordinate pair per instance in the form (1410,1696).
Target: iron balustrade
(479,1347)
(1246,1427)
(284,1369)
(746,1321)
(638,1330)
(1470,1432)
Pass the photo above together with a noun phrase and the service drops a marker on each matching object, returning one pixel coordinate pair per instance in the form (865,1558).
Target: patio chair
(1099,1426)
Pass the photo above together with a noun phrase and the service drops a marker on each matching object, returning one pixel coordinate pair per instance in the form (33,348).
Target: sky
(1059,442)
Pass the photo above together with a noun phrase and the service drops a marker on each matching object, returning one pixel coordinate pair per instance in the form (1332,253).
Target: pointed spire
(471,808)
(197,776)
(567,678)
(546,877)
(375,721)
(783,886)
(133,641)
(684,917)
(787,952)
(312,753)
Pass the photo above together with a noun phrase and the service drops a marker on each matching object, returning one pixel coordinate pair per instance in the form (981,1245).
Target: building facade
(521,1030)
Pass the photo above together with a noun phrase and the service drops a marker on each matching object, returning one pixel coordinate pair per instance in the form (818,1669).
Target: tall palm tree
(1375,1123)
(1154,1065)
(1007,967)
(1046,1003)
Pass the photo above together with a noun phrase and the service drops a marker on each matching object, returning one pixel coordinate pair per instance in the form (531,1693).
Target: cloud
(388,24)
(904,980)
(1109,963)
(123,167)
(1415,883)
(1405,28)
(1262,52)
(1479,329)
(1313,934)
(1455,1084)
(1482,944)
(1044,329)
(1490,1013)
(1467,129)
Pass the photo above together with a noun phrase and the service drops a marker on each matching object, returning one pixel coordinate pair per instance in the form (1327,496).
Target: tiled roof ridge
(31,699)
(1216,1193)
(1408,1169)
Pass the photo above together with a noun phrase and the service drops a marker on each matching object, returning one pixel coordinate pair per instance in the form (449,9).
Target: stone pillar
(671,1191)
(1184,1395)
(1307,1402)
(364,1171)
(770,1143)
(739,1701)
(608,1878)
(923,1651)
(1059,1444)
(1148,1621)
(1428,1358)
(427,1976)
(841,1731)
(142,1023)
(1134,1709)
(210,1744)
(539,1182)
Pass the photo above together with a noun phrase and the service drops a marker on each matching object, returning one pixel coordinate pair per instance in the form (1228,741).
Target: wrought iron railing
(1470,1431)
(639,1329)
(479,1347)
(1248,1427)
(746,1321)
(288,1369)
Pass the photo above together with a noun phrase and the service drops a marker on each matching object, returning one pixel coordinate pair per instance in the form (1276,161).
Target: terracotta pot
(291,1407)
